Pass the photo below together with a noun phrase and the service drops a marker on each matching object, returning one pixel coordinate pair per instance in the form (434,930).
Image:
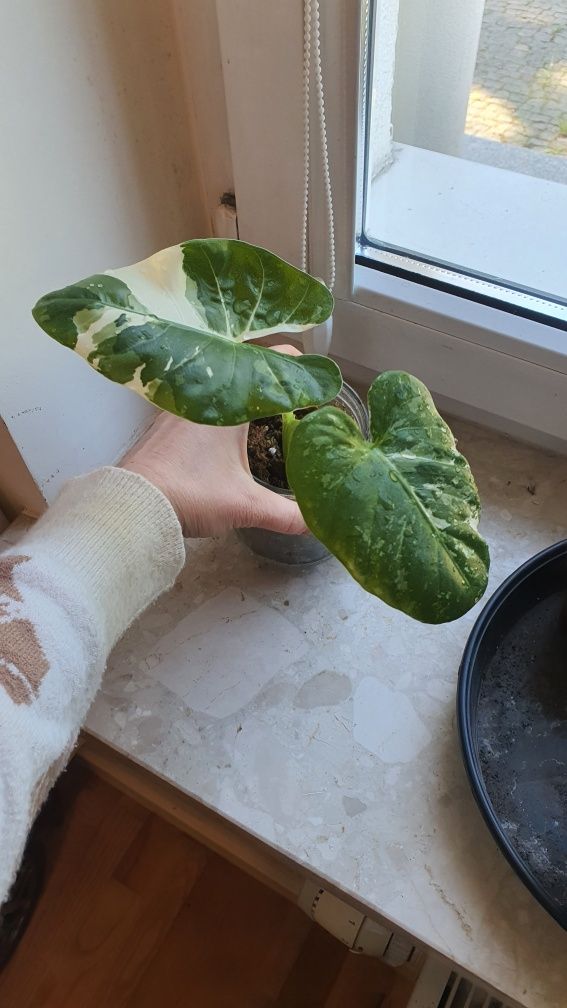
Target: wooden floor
(135,914)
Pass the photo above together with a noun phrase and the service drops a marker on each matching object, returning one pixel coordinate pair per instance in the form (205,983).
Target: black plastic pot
(512,715)
(300,549)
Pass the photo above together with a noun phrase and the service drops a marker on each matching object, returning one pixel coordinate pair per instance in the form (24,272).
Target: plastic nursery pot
(300,549)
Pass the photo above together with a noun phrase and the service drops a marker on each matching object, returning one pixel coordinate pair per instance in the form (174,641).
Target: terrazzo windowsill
(323,722)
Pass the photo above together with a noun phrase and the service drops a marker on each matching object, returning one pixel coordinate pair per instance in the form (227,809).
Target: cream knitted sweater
(108,546)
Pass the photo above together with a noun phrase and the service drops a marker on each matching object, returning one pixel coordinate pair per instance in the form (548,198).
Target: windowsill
(261,694)
(237,690)
(486,219)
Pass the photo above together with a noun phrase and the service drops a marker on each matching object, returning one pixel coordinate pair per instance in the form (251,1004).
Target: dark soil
(265,450)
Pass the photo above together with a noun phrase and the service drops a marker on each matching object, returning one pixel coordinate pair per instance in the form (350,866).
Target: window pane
(466,146)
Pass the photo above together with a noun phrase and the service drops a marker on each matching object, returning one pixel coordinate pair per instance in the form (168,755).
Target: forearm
(109,545)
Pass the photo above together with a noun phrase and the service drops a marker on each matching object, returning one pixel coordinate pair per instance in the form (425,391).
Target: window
(465,167)
(486,335)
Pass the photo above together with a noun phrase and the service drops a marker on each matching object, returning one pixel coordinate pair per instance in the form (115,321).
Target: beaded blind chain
(312,68)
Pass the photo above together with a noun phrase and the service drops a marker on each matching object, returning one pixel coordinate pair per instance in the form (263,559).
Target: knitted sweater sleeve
(108,546)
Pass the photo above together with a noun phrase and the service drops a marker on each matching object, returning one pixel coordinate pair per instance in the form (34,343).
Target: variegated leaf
(401,510)
(175,328)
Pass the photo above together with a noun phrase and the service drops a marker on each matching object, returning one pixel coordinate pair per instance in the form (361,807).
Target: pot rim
(484,630)
(357,404)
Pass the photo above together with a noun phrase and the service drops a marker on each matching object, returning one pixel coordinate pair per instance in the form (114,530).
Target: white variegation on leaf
(176,329)
(400,510)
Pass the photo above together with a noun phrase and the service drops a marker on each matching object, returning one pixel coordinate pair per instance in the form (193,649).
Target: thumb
(272,511)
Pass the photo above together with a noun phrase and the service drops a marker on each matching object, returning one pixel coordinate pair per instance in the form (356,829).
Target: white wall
(199,44)
(262,40)
(385,30)
(98,169)
(435,59)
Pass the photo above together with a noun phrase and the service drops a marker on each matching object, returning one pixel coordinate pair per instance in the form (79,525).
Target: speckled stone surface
(324,723)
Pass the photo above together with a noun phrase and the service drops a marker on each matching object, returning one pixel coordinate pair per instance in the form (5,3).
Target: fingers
(272,511)
(287,348)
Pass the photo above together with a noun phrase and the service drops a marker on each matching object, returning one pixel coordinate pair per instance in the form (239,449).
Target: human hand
(204,473)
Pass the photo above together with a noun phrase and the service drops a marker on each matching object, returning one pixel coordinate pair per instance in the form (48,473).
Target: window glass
(465,122)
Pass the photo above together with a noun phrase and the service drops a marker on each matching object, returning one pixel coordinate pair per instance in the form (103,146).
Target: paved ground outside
(519,95)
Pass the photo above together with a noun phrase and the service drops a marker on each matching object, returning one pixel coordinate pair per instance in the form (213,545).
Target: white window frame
(481,362)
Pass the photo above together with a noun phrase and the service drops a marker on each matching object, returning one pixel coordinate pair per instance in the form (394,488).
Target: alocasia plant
(400,510)
(175,328)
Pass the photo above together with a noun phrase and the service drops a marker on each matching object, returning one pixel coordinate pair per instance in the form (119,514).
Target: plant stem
(289,423)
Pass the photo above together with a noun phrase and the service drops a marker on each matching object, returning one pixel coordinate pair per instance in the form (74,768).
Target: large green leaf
(174,328)
(400,511)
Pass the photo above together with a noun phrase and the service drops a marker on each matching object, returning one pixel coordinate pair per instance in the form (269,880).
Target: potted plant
(269,442)
(399,508)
